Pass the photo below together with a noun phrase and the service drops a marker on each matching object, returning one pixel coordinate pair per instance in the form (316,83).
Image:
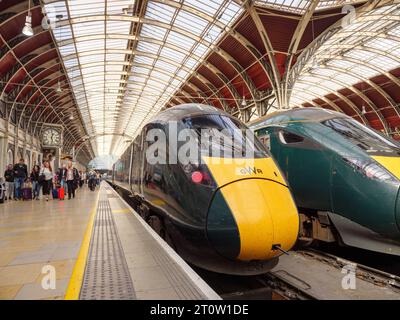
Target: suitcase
(27,194)
(61,193)
(55,194)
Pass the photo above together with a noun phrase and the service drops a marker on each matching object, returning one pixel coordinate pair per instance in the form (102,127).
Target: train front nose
(247,218)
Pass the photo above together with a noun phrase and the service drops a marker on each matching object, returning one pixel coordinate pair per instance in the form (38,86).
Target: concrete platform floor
(36,236)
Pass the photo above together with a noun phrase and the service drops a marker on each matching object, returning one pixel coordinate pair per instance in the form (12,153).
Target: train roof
(307,114)
(187,110)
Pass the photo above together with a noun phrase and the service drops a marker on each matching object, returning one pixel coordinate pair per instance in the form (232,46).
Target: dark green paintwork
(320,178)
(222,230)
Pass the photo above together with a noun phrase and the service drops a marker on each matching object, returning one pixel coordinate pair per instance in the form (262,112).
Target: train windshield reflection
(224,136)
(362,136)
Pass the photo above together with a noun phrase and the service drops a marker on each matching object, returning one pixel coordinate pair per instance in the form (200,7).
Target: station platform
(95,246)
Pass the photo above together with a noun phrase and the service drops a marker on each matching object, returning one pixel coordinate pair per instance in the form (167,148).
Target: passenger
(72,180)
(92,180)
(47,172)
(35,182)
(80,179)
(97,178)
(84,177)
(2,190)
(9,176)
(62,177)
(20,176)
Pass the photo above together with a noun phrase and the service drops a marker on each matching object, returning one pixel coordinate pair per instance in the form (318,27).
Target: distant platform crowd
(43,182)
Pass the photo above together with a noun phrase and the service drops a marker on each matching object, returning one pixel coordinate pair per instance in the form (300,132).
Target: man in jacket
(9,177)
(20,176)
(62,177)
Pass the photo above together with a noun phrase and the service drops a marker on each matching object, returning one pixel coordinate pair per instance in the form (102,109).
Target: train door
(307,167)
(130,167)
(153,179)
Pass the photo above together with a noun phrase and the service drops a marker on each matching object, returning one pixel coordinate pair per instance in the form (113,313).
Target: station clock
(52,136)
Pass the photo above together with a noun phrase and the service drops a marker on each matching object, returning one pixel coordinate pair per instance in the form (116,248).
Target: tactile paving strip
(106,275)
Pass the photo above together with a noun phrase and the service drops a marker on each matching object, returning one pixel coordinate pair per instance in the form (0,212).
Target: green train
(345,177)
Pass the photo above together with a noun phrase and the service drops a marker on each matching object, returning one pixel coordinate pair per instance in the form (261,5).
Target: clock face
(51,137)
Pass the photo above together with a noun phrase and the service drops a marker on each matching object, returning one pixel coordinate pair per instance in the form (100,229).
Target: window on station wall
(10,158)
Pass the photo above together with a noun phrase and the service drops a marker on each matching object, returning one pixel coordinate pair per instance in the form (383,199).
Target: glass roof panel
(123,79)
(300,6)
(367,48)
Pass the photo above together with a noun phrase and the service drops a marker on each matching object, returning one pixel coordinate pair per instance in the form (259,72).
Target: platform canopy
(102,69)
(126,58)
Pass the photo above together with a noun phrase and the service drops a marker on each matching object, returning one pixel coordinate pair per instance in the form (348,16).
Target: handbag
(42,178)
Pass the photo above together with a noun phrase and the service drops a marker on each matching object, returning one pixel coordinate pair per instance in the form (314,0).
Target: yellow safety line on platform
(121,211)
(75,283)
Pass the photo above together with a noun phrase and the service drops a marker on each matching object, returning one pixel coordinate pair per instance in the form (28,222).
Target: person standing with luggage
(35,182)
(46,178)
(20,176)
(62,177)
(9,177)
(72,180)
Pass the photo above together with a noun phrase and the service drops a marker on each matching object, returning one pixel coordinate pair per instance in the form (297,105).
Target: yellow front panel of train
(392,164)
(260,202)
(226,170)
(265,215)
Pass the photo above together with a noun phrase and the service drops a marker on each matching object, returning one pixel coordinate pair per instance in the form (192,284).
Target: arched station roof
(119,62)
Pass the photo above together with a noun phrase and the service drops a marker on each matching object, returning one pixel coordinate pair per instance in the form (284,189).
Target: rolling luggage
(61,193)
(27,193)
(55,193)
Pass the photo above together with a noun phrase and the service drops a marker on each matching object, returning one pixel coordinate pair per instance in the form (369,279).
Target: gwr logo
(249,171)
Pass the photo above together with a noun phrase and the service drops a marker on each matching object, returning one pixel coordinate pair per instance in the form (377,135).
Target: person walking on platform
(92,180)
(35,182)
(62,177)
(20,176)
(9,177)
(46,178)
(80,179)
(72,180)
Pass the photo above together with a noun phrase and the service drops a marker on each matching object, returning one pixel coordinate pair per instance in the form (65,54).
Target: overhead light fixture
(59,89)
(244,103)
(363,110)
(27,30)
(71,117)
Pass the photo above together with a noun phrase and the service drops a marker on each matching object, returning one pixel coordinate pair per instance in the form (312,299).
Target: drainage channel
(106,274)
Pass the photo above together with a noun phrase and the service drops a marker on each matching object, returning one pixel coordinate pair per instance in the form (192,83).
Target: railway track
(314,275)
(308,275)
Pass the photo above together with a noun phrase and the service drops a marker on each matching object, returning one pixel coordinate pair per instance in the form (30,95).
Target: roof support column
(274,73)
(294,45)
(3,152)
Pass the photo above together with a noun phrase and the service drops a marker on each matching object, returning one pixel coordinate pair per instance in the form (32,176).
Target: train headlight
(199,174)
(371,169)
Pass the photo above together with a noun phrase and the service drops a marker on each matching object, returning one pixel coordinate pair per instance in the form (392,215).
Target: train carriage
(229,213)
(344,176)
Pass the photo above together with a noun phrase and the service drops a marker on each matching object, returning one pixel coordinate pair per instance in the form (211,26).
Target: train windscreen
(222,135)
(362,136)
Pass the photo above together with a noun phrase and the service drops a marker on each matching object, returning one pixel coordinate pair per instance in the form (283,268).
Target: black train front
(229,214)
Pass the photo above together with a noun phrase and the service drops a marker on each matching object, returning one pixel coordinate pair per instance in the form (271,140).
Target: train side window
(289,138)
